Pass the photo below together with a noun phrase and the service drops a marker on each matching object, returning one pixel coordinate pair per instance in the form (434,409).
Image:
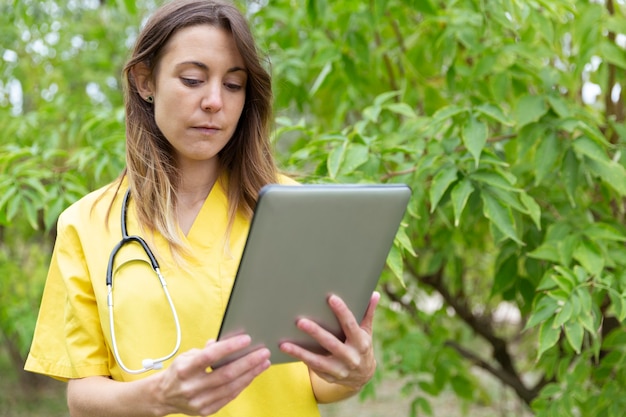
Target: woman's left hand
(350,363)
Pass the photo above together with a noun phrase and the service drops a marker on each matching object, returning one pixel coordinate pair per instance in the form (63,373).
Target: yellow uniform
(72,338)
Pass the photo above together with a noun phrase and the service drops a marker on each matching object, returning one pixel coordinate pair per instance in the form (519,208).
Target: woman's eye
(233,87)
(190,82)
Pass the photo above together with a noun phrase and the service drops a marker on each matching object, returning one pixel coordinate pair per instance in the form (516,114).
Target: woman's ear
(143,80)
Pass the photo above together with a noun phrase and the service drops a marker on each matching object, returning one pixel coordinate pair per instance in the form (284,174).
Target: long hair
(247,158)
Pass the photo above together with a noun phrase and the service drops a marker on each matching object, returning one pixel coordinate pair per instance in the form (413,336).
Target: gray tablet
(305,243)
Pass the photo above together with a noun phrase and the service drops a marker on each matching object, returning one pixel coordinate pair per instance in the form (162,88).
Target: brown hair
(247,158)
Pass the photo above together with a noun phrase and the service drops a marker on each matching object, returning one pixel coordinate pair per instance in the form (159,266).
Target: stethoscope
(148,363)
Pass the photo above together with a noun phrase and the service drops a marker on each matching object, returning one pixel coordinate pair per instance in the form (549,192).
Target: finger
(346,318)
(321,364)
(241,367)
(367,323)
(222,394)
(215,351)
(326,339)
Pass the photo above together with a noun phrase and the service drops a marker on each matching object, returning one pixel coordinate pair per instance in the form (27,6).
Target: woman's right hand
(187,386)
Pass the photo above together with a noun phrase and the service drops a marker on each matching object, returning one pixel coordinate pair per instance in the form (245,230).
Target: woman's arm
(327,392)
(185,387)
(350,364)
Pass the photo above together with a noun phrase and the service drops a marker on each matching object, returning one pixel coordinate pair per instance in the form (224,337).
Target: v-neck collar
(212,219)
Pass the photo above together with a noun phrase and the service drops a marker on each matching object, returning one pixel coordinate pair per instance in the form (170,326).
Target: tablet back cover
(305,243)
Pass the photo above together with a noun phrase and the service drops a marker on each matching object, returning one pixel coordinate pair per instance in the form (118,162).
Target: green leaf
(404,241)
(574,333)
(8,194)
(547,282)
(569,175)
(500,216)
(612,173)
(529,109)
(566,247)
(545,308)
(534,210)
(425,6)
(13,206)
(586,319)
(320,78)
(585,299)
(619,304)
(335,159)
(423,404)
(440,184)
(548,336)
(356,155)
(565,278)
(448,112)
(495,113)
(311,8)
(383,98)
(612,53)
(591,149)
(546,251)
(604,231)
(590,256)
(546,157)
(615,340)
(30,210)
(474,137)
(461,387)
(505,276)
(563,315)
(372,112)
(403,109)
(559,105)
(460,194)
(494,178)
(396,264)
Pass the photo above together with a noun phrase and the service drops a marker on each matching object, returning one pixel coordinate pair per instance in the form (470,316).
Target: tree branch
(612,109)
(506,372)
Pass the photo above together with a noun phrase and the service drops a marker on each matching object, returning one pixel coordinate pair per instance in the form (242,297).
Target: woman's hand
(350,364)
(186,386)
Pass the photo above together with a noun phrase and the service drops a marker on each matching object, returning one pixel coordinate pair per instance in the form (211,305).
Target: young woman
(198,106)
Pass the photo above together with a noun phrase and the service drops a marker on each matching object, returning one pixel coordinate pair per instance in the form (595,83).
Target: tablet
(305,243)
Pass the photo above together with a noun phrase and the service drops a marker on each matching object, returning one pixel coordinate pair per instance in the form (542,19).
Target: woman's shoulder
(285,179)
(92,206)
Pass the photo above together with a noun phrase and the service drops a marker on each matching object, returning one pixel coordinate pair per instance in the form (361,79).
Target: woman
(198,106)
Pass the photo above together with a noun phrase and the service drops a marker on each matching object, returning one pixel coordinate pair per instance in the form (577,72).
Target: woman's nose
(212,98)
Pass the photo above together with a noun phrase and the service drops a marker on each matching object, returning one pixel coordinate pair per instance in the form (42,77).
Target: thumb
(368,318)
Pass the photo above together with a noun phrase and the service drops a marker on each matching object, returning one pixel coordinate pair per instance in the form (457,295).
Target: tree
(481,106)
(62,135)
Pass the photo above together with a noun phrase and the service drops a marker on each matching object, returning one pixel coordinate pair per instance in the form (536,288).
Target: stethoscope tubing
(148,363)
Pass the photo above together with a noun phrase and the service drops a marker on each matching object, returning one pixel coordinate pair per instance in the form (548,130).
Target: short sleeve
(68,341)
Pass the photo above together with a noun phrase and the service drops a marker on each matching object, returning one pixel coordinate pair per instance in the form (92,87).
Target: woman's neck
(197,180)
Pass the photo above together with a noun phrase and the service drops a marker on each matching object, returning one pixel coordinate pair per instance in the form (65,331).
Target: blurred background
(505,291)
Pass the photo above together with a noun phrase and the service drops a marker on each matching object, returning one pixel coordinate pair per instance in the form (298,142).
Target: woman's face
(199,92)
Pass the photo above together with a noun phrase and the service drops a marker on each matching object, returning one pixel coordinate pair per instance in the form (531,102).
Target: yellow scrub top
(72,338)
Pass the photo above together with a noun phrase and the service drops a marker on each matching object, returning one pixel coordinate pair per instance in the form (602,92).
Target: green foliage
(62,135)
(518,183)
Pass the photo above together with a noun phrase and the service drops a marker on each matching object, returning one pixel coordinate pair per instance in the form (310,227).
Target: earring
(150,99)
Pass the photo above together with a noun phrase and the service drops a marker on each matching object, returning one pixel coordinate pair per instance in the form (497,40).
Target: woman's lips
(207,130)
